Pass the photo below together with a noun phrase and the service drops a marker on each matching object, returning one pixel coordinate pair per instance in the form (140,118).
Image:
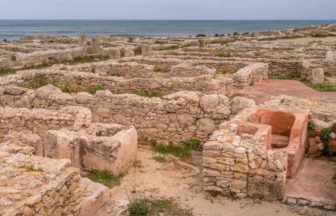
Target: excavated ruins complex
(63,118)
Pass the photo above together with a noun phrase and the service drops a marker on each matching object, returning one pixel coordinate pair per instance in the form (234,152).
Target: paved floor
(264,90)
(313,181)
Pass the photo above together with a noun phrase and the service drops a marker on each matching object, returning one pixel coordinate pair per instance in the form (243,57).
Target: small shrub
(201,35)
(139,207)
(193,145)
(258,53)
(311,125)
(222,55)
(325,137)
(13,58)
(252,83)
(94,89)
(283,100)
(323,36)
(105,177)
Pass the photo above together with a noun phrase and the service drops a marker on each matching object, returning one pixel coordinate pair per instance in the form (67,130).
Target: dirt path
(180,182)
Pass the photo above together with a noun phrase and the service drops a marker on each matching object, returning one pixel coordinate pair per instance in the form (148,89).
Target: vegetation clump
(181,150)
(222,55)
(201,35)
(105,177)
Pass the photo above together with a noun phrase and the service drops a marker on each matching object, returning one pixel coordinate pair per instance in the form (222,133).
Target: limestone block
(115,54)
(95,46)
(129,53)
(146,50)
(83,43)
(201,42)
(317,76)
(44,92)
(239,103)
(32,140)
(95,196)
(114,153)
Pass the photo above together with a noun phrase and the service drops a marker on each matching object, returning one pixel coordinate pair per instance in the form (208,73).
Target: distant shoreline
(16,29)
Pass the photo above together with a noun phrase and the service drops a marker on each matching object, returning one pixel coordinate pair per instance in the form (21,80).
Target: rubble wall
(179,117)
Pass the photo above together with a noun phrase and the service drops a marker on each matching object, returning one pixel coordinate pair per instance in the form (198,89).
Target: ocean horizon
(16,29)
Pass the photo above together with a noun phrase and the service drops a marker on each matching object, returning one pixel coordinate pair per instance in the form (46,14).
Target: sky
(169,9)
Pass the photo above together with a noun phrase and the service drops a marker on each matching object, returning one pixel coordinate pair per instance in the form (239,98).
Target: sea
(16,29)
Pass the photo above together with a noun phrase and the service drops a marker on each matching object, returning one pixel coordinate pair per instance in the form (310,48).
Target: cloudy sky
(168,9)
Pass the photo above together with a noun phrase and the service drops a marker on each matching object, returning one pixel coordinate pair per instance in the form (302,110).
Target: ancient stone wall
(81,81)
(189,70)
(241,164)
(112,68)
(44,57)
(179,117)
(34,185)
(250,75)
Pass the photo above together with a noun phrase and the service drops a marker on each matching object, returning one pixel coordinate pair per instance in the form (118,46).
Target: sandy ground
(181,182)
(328,40)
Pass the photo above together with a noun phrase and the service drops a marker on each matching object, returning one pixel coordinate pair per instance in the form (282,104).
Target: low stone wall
(33,185)
(179,117)
(112,68)
(52,186)
(241,164)
(189,70)
(250,75)
(44,57)
(79,81)
(159,63)
(38,121)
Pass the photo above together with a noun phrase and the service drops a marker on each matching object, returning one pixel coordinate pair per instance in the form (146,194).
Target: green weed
(105,177)
(94,89)
(160,159)
(222,55)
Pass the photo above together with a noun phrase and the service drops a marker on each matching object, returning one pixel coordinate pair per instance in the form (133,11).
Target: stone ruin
(56,122)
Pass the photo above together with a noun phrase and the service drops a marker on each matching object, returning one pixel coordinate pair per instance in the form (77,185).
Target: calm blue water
(15,29)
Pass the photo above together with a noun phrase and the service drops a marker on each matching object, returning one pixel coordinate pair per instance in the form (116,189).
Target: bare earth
(265,89)
(180,182)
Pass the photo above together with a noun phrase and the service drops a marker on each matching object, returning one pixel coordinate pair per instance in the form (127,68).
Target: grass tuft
(105,177)
(160,159)
(222,55)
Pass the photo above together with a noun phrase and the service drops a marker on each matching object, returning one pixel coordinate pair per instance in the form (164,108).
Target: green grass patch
(181,150)
(222,55)
(161,42)
(148,94)
(170,48)
(160,159)
(94,89)
(323,36)
(283,77)
(105,177)
(161,70)
(323,87)
(142,206)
